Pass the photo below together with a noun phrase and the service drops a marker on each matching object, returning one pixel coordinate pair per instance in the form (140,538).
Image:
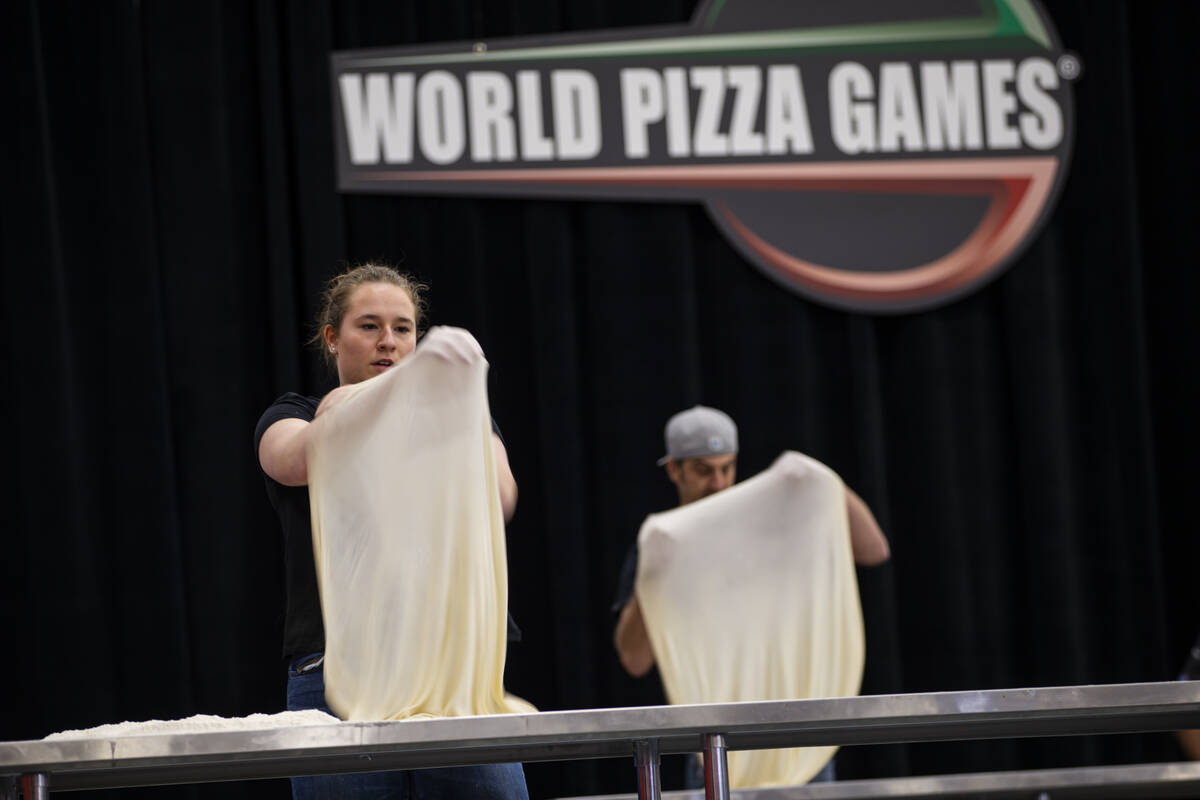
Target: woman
(369,322)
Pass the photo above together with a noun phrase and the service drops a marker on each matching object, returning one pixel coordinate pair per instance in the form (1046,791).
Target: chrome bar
(648,769)
(605,733)
(1133,780)
(34,787)
(716,768)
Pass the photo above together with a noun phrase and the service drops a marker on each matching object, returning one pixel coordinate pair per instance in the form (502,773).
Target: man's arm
(632,641)
(867,541)
(504,476)
(1190,742)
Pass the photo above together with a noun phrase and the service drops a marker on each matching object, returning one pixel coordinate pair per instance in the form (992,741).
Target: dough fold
(408,538)
(751,594)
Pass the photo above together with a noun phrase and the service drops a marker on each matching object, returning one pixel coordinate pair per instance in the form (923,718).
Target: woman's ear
(330,336)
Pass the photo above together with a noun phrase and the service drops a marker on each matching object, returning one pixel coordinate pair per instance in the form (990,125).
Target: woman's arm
(459,346)
(282,452)
(283,449)
(504,476)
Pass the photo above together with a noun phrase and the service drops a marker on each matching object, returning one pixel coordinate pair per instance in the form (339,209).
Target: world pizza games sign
(873,155)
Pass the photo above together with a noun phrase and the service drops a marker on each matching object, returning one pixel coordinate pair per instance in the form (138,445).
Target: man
(1189,740)
(701,459)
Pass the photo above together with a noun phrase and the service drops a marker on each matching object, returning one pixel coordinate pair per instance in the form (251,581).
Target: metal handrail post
(35,787)
(645,757)
(716,768)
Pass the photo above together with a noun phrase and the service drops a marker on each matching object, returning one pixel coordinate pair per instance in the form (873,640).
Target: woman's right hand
(334,398)
(283,449)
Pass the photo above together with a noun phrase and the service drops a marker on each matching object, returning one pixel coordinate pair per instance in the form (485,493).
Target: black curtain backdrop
(169,215)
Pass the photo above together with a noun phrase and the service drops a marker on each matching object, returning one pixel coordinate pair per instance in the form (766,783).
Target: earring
(332,349)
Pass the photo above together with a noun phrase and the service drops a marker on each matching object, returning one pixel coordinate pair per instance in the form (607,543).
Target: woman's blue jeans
(486,781)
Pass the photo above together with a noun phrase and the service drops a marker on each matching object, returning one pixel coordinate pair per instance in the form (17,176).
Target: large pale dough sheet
(750,594)
(408,538)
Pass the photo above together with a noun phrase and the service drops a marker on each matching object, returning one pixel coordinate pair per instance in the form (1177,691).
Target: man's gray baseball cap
(698,432)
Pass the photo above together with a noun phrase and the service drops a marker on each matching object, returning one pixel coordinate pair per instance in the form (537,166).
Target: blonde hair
(336,298)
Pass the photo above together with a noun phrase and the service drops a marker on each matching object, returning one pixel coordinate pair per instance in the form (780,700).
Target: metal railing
(1131,780)
(644,732)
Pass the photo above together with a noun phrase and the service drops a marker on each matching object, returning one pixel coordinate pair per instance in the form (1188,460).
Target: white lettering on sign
(962,105)
(952,113)
(787,125)
(678,112)
(1000,103)
(493,133)
(576,113)
(441,130)
(381,115)
(535,145)
(649,98)
(851,110)
(746,83)
(899,118)
(1042,125)
(679,133)
(641,105)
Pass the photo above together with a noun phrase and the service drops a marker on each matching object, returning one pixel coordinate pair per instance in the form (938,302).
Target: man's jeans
(487,781)
(694,775)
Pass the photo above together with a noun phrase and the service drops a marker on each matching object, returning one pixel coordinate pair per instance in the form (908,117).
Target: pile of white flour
(201,723)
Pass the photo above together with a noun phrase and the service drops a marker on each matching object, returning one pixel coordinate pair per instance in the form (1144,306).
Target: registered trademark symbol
(1069,67)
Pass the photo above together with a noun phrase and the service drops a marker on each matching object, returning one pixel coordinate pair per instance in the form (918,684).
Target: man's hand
(504,476)
(867,541)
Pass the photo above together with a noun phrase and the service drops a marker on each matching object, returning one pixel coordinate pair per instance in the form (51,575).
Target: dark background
(169,215)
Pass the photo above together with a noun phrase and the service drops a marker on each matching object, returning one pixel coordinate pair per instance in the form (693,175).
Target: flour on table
(200,723)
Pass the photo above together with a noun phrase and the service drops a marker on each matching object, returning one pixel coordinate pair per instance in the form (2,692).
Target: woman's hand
(334,398)
(283,449)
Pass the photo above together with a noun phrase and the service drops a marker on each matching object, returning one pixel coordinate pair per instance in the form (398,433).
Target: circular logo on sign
(946,141)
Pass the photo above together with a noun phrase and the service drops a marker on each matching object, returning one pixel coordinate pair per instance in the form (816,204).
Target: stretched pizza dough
(408,538)
(750,594)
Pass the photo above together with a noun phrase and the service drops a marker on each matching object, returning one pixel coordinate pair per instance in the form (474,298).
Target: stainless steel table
(645,732)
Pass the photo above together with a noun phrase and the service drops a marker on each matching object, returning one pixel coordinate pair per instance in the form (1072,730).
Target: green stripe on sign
(1025,20)
(711,19)
(989,26)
